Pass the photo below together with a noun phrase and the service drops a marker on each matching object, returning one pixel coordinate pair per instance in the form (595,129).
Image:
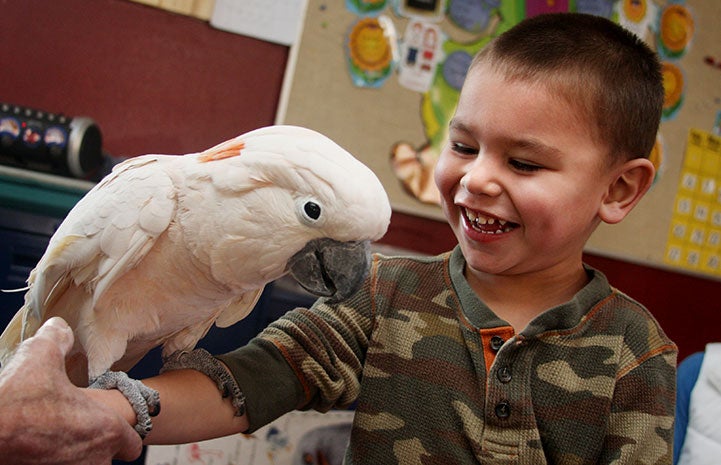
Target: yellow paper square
(674,253)
(694,150)
(679,231)
(713,239)
(692,258)
(684,205)
(710,262)
(689,183)
(696,234)
(710,163)
(702,212)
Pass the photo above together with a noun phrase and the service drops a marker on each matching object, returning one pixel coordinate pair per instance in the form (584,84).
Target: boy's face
(521,179)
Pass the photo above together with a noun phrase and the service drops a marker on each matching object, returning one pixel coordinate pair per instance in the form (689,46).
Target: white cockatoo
(165,246)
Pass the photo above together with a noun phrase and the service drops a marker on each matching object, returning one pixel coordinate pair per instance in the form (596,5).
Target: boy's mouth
(487,224)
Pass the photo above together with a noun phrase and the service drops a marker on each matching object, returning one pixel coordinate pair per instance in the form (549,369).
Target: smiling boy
(540,153)
(507,349)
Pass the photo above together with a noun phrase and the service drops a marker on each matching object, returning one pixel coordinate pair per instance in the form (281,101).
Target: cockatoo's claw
(144,400)
(201,360)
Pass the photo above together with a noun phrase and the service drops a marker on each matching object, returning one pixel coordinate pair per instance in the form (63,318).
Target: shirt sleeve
(640,426)
(308,359)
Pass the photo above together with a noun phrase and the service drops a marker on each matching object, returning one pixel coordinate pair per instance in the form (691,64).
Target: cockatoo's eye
(311,210)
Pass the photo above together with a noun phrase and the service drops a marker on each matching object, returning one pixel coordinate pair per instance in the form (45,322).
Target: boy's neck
(518,299)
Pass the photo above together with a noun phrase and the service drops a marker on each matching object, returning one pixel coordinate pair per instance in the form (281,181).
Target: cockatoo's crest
(227,149)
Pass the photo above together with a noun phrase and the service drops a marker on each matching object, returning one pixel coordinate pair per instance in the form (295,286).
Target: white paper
(283,442)
(277,21)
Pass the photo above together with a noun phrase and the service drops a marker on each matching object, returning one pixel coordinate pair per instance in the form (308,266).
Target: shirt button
(496,343)
(503,409)
(504,374)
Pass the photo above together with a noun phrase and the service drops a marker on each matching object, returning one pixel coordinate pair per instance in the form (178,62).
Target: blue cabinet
(23,239)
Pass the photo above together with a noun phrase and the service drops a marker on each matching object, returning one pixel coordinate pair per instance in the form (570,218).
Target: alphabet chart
(694,240)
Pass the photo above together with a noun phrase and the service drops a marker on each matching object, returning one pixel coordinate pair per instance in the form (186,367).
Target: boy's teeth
(475,217)
(487,224)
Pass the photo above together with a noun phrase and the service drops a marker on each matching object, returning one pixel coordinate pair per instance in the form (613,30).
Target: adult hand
(46,419)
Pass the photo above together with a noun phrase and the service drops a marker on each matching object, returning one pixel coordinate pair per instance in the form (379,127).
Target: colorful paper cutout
(637,15)
(366,7)
(596,7)
(676,30)
(674,87)
(421,52)
(423,10)
(539,7)
(471,15)
(371,51)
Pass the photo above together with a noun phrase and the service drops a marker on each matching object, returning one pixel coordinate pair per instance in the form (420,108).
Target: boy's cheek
(442,174)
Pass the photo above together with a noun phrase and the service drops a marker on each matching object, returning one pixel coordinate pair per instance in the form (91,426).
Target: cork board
(319,93)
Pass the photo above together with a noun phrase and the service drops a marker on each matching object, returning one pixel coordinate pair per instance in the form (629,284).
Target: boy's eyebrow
(533,145)
(536,146)
(458,125)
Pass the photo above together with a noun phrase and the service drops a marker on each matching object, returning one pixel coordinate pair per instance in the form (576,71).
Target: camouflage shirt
(440,379)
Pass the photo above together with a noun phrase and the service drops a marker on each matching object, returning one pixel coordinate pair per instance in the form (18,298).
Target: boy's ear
(630,182)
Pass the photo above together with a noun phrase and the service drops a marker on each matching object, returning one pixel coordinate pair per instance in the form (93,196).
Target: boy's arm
(192,408)
(640,427)
(269,374)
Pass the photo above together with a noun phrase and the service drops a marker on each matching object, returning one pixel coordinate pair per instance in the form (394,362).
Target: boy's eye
(463,149)
(524,166)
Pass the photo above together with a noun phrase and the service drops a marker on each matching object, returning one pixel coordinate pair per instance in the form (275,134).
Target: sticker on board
(420,54)
(424,10)
(366,7)
(371,51)
(676,29)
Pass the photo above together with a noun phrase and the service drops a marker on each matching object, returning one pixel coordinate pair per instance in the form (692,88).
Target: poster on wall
(694,241)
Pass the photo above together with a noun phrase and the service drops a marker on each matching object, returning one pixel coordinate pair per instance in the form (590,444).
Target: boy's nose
(482,179)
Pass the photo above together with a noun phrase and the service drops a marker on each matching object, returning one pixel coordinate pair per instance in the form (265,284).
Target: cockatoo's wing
(239,309)
(106,234)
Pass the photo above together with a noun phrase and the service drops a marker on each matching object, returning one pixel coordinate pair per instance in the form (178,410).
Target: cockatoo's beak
(330,268)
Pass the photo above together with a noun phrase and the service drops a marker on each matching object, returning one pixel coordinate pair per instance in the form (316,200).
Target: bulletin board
(371,122)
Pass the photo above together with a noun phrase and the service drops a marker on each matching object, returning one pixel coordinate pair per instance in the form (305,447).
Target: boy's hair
(596,65)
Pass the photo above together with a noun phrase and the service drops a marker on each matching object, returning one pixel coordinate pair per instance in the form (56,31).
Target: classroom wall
(157,82)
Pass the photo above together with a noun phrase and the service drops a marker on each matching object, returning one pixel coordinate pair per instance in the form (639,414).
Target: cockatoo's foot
(144,400)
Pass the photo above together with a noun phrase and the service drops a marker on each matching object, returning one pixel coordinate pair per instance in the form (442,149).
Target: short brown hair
(608,72)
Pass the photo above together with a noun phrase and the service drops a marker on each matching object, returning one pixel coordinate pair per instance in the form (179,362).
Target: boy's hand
(46,419)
